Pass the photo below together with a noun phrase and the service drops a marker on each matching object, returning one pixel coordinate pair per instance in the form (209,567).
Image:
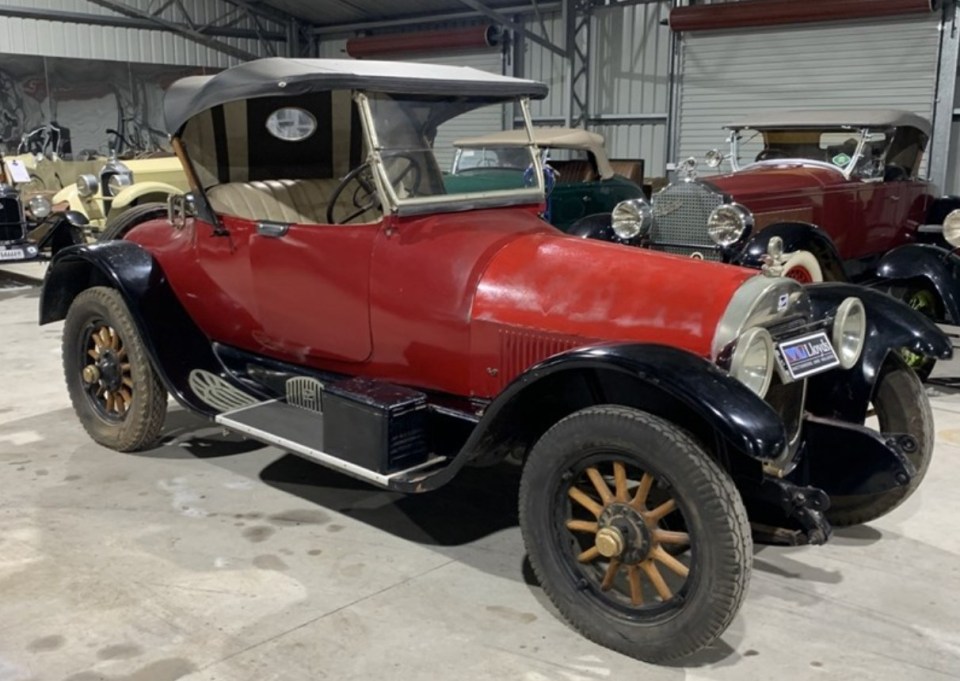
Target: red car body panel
(458,302)
(862,218)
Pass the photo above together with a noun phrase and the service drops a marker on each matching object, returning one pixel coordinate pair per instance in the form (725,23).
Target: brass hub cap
(627,531)
(107,372)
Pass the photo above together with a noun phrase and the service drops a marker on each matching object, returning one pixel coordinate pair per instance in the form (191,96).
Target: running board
(301,431)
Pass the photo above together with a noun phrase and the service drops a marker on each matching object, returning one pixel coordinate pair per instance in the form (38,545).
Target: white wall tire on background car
(609,497)
(802,266)
(114,390)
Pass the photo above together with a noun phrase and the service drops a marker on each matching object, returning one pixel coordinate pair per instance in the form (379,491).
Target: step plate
(301,431)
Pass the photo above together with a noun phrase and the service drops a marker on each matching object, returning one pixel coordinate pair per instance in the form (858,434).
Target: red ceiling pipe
(751,13)
(474,37)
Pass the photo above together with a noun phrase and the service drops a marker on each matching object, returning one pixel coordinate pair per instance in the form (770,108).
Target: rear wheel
(114,390)
(901,406)
(608,499)
(119,224)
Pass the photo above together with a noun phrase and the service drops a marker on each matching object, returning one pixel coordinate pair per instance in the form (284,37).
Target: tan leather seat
(574,171)
(293,201)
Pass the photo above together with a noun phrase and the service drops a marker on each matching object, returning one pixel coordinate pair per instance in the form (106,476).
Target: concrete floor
(215,558)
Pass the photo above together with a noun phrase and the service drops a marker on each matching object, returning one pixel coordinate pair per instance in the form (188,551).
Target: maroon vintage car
(323,289)
(837,193)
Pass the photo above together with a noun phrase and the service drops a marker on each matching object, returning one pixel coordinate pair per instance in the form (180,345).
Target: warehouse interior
(214,556)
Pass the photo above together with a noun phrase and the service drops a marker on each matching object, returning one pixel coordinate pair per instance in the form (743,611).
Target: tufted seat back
(292,201)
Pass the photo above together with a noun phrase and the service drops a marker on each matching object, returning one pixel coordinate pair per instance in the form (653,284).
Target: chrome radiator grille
(680,215)
(11,220)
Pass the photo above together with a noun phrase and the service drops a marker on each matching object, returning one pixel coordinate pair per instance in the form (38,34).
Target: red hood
(769,183)
(557,284)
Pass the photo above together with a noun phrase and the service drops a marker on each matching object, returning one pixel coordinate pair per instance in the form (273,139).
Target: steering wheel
(770,154)
(364,196)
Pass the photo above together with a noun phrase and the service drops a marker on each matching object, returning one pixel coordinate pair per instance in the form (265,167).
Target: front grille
(11,219)
(680,215)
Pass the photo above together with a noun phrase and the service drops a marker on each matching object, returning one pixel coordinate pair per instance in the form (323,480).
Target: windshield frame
(419,205)
(846,171)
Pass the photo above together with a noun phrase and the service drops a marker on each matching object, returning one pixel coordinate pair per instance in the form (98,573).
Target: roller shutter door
(481,122)
(875,64)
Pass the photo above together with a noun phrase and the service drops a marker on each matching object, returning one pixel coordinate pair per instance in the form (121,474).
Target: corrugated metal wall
(629,75)
(876,64)
(84,41)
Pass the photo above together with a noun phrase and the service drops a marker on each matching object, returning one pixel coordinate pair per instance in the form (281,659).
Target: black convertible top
(278,76)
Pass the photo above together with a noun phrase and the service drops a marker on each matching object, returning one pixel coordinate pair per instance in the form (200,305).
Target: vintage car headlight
(951,228)
(729,223)
(631,219)
(117,181)
(87,185)
(713,158)
(39,206)
(752,360)
(849,331)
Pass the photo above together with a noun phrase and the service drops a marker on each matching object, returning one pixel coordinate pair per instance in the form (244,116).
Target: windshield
(836,147)
(414,136)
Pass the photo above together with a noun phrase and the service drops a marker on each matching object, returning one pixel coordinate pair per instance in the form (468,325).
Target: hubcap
(620,535)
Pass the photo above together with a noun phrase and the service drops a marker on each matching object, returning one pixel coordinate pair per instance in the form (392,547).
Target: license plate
(808,355)
(11,254)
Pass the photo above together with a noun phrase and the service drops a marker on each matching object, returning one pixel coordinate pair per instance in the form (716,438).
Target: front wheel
(114,390)
(901,406)
(609,498)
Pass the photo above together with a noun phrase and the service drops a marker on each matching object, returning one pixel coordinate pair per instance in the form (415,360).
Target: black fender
(674,384)
(58,231)
(598,226)
(936,266)
(796,236)
(175,344)
(940,208)
(891,324)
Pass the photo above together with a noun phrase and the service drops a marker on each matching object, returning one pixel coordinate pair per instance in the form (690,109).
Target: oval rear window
(291,124)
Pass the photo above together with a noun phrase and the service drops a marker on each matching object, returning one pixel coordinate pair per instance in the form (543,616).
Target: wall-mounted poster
(80,108)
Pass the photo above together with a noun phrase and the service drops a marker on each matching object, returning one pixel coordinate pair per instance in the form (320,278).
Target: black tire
(119,224)
(709,512)
(123,404)
(902,406)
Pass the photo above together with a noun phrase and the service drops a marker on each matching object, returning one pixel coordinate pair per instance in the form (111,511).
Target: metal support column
(577,26)
(943,114)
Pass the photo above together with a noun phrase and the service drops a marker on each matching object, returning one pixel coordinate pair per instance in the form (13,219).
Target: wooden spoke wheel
(106,373)
(637,536)
(114,390)
(621,538)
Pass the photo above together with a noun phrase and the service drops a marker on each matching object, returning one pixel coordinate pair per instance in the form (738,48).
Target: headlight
(849,331)
(951,228)
(87,185)
(117,181)
(714,158)
(632,219)
(729,223)
(752,361)
(39,206)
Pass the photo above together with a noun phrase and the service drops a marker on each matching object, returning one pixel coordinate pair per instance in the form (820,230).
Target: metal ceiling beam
(423,19)
(41,14)
(181,29)
(507,22)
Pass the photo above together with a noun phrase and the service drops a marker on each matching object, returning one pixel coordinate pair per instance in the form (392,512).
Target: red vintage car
(839,191)
(323,291)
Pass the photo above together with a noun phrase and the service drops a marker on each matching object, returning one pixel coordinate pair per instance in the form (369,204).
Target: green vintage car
(585,181)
